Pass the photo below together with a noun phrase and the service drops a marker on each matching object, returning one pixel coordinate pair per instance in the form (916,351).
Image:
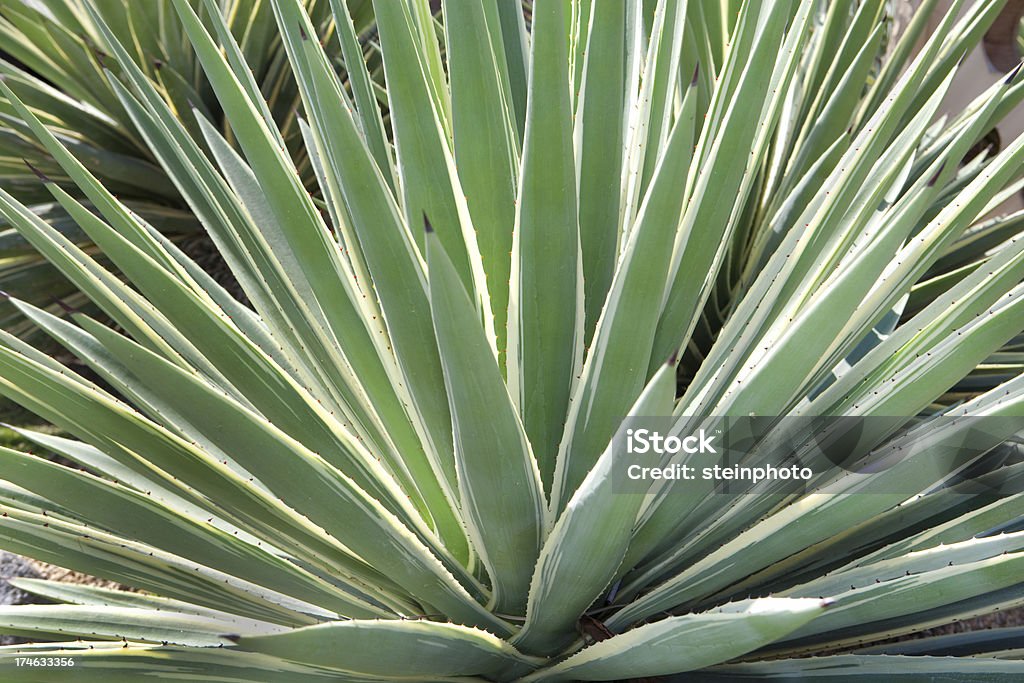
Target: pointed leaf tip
(302,32)
(4,295)
(158,64)
(39,174)
(64,307)
(100,56)
(1013,74)
(426,224)
(233,637)
(673,358)
(935,178)
(696,72)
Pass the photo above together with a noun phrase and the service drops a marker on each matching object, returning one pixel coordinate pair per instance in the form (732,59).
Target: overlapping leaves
(394,460)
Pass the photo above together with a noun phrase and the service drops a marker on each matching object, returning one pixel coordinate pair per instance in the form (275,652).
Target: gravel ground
(15,566)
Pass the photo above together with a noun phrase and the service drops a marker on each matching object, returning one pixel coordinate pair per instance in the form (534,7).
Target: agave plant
(51,52)
(398,460)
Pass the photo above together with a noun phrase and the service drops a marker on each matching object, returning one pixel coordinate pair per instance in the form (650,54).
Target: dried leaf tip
(696,72)
(935,178)
(100,56)
(673,359)
(39,174)
(1013,74)
(63,306)
(302,32)
(194,106)
(426,224)
(158,64)
(233,637)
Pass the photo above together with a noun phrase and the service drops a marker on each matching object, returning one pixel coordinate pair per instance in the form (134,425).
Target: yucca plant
(51,53)
(400,463)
